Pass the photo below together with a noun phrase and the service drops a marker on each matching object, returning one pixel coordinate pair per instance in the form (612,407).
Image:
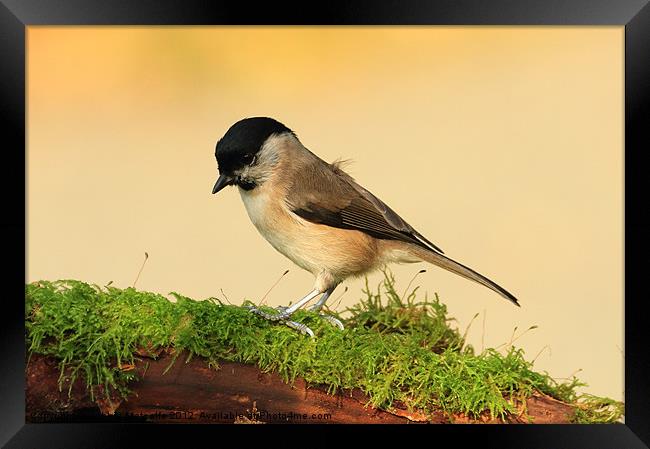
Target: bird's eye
(248,159)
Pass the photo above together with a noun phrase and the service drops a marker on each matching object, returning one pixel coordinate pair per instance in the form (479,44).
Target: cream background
(502,145)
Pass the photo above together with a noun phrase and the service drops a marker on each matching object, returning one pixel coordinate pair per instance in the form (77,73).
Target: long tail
(466,272)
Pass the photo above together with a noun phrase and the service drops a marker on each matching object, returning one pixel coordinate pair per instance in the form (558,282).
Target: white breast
(256,204)
(275,224)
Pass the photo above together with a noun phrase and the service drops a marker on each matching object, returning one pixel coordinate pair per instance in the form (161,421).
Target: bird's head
(240,153)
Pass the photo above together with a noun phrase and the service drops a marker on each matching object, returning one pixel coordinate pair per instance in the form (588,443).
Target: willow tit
(317,215)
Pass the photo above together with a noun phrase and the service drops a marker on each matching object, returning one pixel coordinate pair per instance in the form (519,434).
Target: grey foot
(329,318)
(333,321)
(300,328)
(283,317)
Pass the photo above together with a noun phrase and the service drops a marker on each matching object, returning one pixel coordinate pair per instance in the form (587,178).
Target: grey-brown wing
(327,195)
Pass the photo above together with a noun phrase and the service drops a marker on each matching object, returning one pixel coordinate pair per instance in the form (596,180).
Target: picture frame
(16,15)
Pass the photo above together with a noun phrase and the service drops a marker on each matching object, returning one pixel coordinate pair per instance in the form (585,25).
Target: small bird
(317,215)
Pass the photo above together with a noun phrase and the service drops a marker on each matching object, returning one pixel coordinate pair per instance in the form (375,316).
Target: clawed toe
(332,320)
(300,327)
(280,316)
(329,318)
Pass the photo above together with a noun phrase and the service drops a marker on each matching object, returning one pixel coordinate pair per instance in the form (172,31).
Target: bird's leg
(319,305)
(321,302)
(286,312)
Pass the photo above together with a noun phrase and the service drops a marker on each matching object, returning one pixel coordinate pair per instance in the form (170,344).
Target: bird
(318,216)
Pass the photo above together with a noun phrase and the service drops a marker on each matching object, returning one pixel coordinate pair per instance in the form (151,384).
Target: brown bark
(236,393)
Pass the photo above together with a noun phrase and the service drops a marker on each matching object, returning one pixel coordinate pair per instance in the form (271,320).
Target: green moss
(400,349)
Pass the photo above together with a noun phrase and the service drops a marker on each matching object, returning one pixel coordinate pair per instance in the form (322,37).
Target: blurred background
(502,145)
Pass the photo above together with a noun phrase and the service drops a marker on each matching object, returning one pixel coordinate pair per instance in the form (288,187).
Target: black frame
(15,15)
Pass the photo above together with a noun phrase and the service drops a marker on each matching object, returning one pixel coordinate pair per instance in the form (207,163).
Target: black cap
(245,138)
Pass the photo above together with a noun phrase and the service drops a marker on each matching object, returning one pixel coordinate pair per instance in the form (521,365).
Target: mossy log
(192,392)
(104,353)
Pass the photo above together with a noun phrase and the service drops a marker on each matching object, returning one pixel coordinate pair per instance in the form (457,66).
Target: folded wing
(327,195)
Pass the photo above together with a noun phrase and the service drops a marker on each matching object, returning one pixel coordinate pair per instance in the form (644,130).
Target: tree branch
(235,393)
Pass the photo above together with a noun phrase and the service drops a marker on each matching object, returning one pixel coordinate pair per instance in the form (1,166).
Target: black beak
(222,182)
